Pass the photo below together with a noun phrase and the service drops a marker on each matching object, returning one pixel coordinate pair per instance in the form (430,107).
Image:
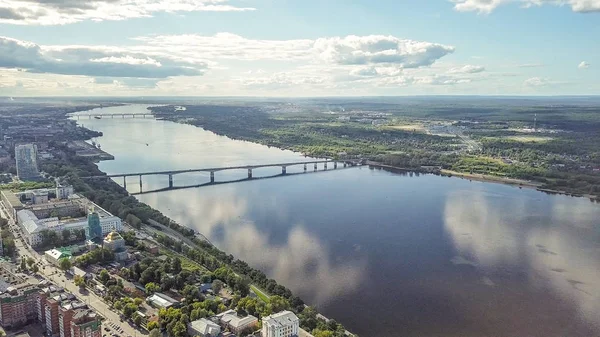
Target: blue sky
(299,48)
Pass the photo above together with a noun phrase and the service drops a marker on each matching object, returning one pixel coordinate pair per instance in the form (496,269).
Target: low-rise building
(160,301)
(281,324)
(204,328)
(230,320)
(55,255)
(115,242)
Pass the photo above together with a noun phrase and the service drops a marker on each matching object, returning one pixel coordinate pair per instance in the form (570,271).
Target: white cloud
(537,82)
(349,50)
(228,46)
(90,61)
(364,72)
(60,12)
(487,6)
(380,49)
(583,65)
(530,65)
(467,69)
(282,79)
(127,60)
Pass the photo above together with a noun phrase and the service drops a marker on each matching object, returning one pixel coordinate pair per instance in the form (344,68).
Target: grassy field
(408,127)
(186,264)
(264,297)
(530,139)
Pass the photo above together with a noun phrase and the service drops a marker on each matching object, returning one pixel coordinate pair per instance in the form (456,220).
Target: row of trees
(53,239)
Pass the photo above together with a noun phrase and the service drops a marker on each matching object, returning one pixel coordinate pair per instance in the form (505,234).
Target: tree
(155,332)
(79,281)
(322,333)
(278,303)
(103,276)
(23,264)
(138,301)
(129,309)
(176,265)
(9,246)
(137,320)
(151,288)
(35,268)
(30,261)
(179,330)
(66,235)
(153,325)
(118,305)
(217,285)
(65,263)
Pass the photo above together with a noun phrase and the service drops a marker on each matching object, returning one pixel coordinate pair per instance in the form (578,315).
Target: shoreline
(538,186)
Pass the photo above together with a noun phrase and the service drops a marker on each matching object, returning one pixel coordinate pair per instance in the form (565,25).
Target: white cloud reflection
(302,262)
(564,257)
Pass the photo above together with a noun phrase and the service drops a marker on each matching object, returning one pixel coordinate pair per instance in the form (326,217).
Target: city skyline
(288,48)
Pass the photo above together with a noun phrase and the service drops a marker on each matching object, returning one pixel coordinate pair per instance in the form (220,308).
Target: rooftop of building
(8,280)
(83,316)
(231,318)
(282,318)
(162,300)
(58,253)
(113,236)
(12,199)
(205,326)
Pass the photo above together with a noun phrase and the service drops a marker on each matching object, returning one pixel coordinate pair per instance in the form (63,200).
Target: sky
(299,48)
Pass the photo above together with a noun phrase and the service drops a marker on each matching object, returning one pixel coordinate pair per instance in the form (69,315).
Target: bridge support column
(325,166)
(345,164)
(283,170)
(112,116)
(315,166)
(125,182)
(140,183)
(249,173)
(170,181)
(334,165)
(212,177)
(123,115)
(304,167)
(89,116)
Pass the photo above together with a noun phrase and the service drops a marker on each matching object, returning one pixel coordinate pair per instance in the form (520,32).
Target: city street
(58,277)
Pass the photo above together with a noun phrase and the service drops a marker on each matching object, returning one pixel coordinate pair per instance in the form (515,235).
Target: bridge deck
(214,169)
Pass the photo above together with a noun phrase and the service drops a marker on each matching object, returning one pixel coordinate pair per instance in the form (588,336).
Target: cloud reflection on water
(565,257)
(301,262)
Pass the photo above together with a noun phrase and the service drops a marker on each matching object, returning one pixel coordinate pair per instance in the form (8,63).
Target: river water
(385,254)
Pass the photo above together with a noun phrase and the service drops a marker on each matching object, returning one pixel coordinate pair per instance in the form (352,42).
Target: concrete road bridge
(171,173)
(112,115)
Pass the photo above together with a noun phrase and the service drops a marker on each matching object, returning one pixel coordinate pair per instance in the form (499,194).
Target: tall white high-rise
(26,158)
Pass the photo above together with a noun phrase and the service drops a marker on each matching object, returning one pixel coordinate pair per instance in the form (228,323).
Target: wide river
(385,254)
